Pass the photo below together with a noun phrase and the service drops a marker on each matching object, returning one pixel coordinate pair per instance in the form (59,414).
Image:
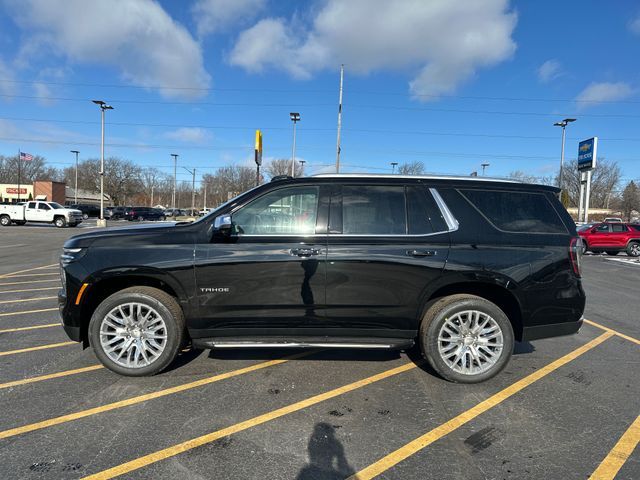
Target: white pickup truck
(40,212)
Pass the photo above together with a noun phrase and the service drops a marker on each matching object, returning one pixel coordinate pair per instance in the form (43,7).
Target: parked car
(88,210)
(613,219)
(144,213)
(204,211)
(612,238)
(463,266)
(118,213)
(39,212)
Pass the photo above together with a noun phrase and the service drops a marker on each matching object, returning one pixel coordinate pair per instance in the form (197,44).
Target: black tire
(436,316)
(60,222)
(73,224)
(140,218)
(164,304)
(5,220)
(162,218)
(612,253)
(633,249)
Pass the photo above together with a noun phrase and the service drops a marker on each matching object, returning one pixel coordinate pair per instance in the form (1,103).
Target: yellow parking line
(50,376)
(29,290)
(34,327)
(238,427)
(33,349)
(619,454)
(413,447)
(29,283)
(6,314)
(29,270)
(615,332)
(143,398)
(26,300)
(31,275)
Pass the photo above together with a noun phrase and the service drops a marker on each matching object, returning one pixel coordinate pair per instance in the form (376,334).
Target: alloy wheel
(470,342)
(133,335)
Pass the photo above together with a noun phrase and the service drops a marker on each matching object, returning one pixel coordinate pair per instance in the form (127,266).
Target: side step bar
(302,342)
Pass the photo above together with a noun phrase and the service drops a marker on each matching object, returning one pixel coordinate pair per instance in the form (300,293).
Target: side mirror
(222,223)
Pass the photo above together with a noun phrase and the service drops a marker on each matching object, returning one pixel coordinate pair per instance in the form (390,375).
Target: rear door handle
(421,253)
(305,252)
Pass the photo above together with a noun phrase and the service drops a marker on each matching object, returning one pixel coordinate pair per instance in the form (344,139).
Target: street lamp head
(485,164)
(74,151)
(569,120)
(295,116)
(102,105)
(564,122)
(99,102)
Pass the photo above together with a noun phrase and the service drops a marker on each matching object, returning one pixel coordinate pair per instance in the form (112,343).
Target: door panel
(268,273)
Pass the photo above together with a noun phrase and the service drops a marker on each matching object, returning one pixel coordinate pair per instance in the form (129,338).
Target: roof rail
(279,178)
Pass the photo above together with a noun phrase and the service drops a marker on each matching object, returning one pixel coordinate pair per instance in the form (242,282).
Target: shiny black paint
(354,286)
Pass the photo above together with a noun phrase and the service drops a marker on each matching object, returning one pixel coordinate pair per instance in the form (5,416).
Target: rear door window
(423,214)
(31,205)
(618,227)
(518,212)
(373,210)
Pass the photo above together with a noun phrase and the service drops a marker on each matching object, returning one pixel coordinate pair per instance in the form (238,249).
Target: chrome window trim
(451,221)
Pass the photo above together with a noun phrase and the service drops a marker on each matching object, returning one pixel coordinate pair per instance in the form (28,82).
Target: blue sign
(587,154)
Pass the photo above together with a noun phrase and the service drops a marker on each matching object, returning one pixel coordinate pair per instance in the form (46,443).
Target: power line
(327,130)
(328,91)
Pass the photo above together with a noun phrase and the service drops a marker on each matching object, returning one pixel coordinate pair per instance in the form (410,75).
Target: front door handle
(305,252)
(421,253)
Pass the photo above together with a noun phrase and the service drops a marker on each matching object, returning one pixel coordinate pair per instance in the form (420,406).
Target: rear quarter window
(518,212)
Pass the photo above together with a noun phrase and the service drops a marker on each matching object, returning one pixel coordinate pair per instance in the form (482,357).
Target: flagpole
(18,176)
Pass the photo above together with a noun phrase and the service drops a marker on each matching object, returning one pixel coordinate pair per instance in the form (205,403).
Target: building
(85,197)
(9,192)
(50,191)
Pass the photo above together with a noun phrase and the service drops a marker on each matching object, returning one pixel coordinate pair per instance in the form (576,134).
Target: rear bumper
(552,330)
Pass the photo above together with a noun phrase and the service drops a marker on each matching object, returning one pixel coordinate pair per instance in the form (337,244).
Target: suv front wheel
(466,339)
(137,331)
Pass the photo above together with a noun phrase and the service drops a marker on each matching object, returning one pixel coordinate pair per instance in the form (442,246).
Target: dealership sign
(587,150)
(14,191)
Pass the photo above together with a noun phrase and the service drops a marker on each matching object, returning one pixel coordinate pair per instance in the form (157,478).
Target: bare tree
(411,168)
(228,182)
(605,181)
(282,166)
(30,171)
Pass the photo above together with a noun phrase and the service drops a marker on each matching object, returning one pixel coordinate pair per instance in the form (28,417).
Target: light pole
(175,173)
(302,162)
(75,199)
(562,124)
(103,106)
(295,118)
(393,167)
(484,165)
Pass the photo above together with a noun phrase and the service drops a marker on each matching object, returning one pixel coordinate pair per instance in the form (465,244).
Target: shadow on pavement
(327,460)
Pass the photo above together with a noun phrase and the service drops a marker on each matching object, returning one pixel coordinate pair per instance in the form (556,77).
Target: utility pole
(302,162)
(484,166)
(151,196)
(393,167)
(193,193)
(562,124)
(339,120)
(295,118)
(75,199)
(175,179)
(204,203)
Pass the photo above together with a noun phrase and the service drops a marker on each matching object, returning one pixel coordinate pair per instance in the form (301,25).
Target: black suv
(464,267)
(87,210)
(144,213)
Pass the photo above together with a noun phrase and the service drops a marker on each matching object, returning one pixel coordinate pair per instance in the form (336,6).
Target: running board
(301,342)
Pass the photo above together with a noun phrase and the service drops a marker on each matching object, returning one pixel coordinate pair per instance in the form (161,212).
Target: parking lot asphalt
(563,408)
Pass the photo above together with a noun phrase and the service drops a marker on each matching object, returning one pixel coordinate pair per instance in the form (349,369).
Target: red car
(612,238)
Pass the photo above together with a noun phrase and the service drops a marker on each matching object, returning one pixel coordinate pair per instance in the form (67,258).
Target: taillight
(575,255)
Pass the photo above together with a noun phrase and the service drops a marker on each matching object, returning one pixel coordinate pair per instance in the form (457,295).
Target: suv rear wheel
(633,249)
(466,338)
(137,331)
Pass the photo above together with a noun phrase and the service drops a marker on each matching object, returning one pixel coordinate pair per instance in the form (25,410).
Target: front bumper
(69,323)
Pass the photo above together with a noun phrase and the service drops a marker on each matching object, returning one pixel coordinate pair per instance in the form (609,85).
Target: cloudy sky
(452,84)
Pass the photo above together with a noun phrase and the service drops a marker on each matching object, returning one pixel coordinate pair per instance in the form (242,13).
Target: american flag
(26,157)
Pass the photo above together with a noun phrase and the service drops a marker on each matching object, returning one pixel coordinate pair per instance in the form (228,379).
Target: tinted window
(635,227)
(31,205)
(281,212)
(618,227)
(423,213)
(373,210)
(517,211)
(604,228)
(44,206)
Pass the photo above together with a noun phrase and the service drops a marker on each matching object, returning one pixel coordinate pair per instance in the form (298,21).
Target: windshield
(55,205)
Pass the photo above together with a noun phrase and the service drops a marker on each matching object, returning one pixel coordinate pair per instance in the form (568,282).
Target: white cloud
(634,25)
(442,41)
(604,92)
(189,135)
(43,94)
(549,70)
(137,37)
(215,16)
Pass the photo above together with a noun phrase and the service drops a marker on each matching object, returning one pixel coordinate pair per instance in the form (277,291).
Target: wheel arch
(497,294)
(105,284)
